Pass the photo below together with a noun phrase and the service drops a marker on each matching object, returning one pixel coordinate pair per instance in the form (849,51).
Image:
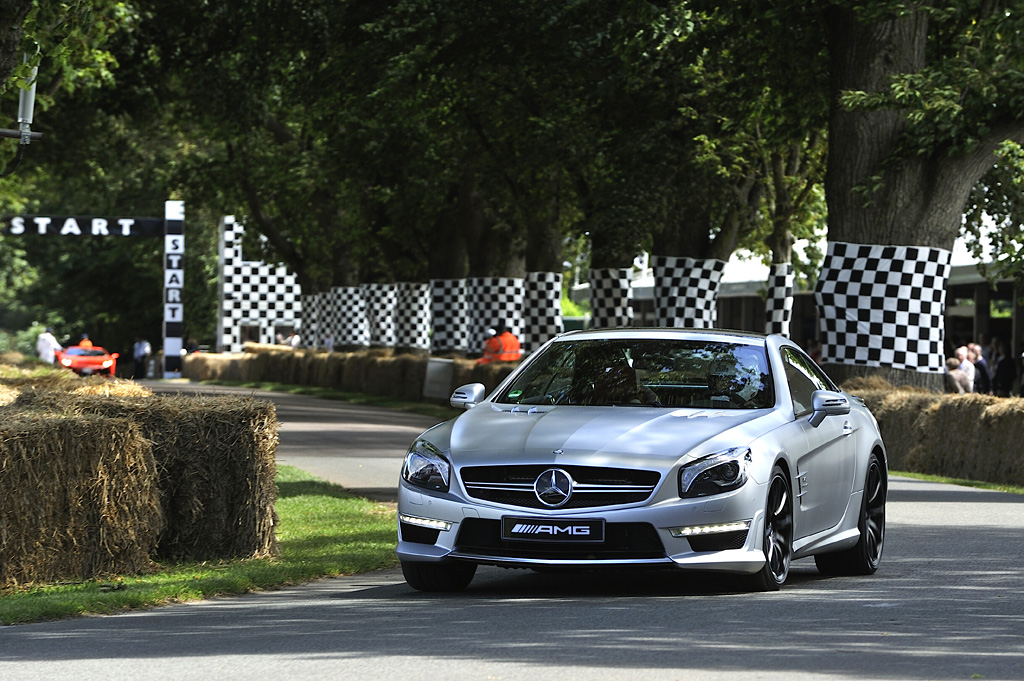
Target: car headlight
(425,467)
(715,473)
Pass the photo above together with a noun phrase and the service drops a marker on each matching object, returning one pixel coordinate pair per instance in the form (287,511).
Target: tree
(925,97)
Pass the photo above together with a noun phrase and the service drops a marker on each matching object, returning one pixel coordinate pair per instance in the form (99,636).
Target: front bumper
(634,536)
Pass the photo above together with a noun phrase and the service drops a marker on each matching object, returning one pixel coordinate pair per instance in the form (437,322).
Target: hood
(490,434)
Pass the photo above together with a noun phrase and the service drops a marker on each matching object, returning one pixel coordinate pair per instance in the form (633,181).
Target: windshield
(85,352)
(646,372)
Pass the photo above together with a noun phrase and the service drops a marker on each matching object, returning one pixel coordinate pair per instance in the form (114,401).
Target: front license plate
(553,529)
(86,372)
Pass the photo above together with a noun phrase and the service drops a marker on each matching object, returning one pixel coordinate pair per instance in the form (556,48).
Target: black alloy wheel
(864,557)
(777,540)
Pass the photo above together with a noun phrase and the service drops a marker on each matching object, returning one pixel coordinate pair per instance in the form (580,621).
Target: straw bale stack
(214,465)
(1001,432)
(902,420)
(78,498)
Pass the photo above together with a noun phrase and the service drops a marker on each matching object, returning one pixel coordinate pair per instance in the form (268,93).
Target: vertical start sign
(172,228)
(174,282)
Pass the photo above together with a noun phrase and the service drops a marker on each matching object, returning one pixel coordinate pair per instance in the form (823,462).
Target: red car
(88,361)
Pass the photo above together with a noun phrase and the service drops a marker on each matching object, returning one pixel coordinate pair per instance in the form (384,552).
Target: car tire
(864,557)
(777,537)
(445,576)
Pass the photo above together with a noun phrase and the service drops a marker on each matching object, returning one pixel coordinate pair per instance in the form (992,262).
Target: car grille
(622,541)
(592,486)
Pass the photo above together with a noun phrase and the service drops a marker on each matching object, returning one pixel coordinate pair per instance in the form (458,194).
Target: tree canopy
(404,140)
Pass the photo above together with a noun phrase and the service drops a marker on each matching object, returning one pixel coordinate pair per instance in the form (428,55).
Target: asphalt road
(947,603)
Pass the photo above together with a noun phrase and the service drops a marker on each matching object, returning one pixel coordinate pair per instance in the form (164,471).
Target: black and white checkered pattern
(380,300)
(346,323)
(778,306)
(686,291)
(494,300)
(412,316)
(610,298)
(543,312)
(252,293)
(449,308)
(314,306)
(883,305)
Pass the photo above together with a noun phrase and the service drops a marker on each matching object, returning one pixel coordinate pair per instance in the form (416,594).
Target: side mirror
(827,403)
(115,355)
(467,396)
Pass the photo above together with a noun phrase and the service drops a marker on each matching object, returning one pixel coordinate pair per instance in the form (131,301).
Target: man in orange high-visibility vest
(502,346)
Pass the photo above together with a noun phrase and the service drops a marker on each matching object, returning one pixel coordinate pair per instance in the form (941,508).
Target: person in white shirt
(966,366)
(47,346)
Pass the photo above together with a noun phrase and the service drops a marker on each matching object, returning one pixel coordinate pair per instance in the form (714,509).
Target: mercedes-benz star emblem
(553,487)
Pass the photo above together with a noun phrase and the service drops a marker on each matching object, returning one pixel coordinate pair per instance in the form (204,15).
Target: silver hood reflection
(648,437)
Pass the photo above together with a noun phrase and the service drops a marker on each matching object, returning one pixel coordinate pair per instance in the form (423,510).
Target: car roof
(667,333)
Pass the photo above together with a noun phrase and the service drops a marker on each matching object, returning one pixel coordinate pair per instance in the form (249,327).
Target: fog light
(442,525)
(695,530)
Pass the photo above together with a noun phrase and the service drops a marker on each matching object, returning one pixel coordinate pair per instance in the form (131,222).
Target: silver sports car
(697,449)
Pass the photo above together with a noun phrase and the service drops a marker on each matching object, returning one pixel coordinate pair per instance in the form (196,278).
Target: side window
(803,378)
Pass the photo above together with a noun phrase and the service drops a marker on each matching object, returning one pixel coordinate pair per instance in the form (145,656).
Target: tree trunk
(873,197)
(878,317)
(12,23)
(448,257)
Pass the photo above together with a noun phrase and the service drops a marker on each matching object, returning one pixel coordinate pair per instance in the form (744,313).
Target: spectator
(502,346)
(956,379)
(47,346)
(982,377)
(141,352)
(1004,370)
(966,366)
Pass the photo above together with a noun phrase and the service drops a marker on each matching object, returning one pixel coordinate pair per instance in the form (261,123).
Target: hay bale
(78,499)
(950,436)
(215,465)
(1001,431)
(902,421)
(203,366)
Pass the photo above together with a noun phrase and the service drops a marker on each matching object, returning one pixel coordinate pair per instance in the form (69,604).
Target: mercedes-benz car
(699,450)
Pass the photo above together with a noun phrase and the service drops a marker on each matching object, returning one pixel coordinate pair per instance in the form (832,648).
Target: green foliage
(574,309)
(994,218)
(416,139)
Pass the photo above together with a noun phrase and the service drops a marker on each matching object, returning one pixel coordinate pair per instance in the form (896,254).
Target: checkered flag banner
(494,300)
(252,293)
(380,300)
(348,324)
(449,308)
(778,306)
(543,309)
(883,306)
(313,308)
(412,316)
(610,298)
(686,291)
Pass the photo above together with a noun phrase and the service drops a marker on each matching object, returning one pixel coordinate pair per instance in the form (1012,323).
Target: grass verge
(323,532)
(960,481)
